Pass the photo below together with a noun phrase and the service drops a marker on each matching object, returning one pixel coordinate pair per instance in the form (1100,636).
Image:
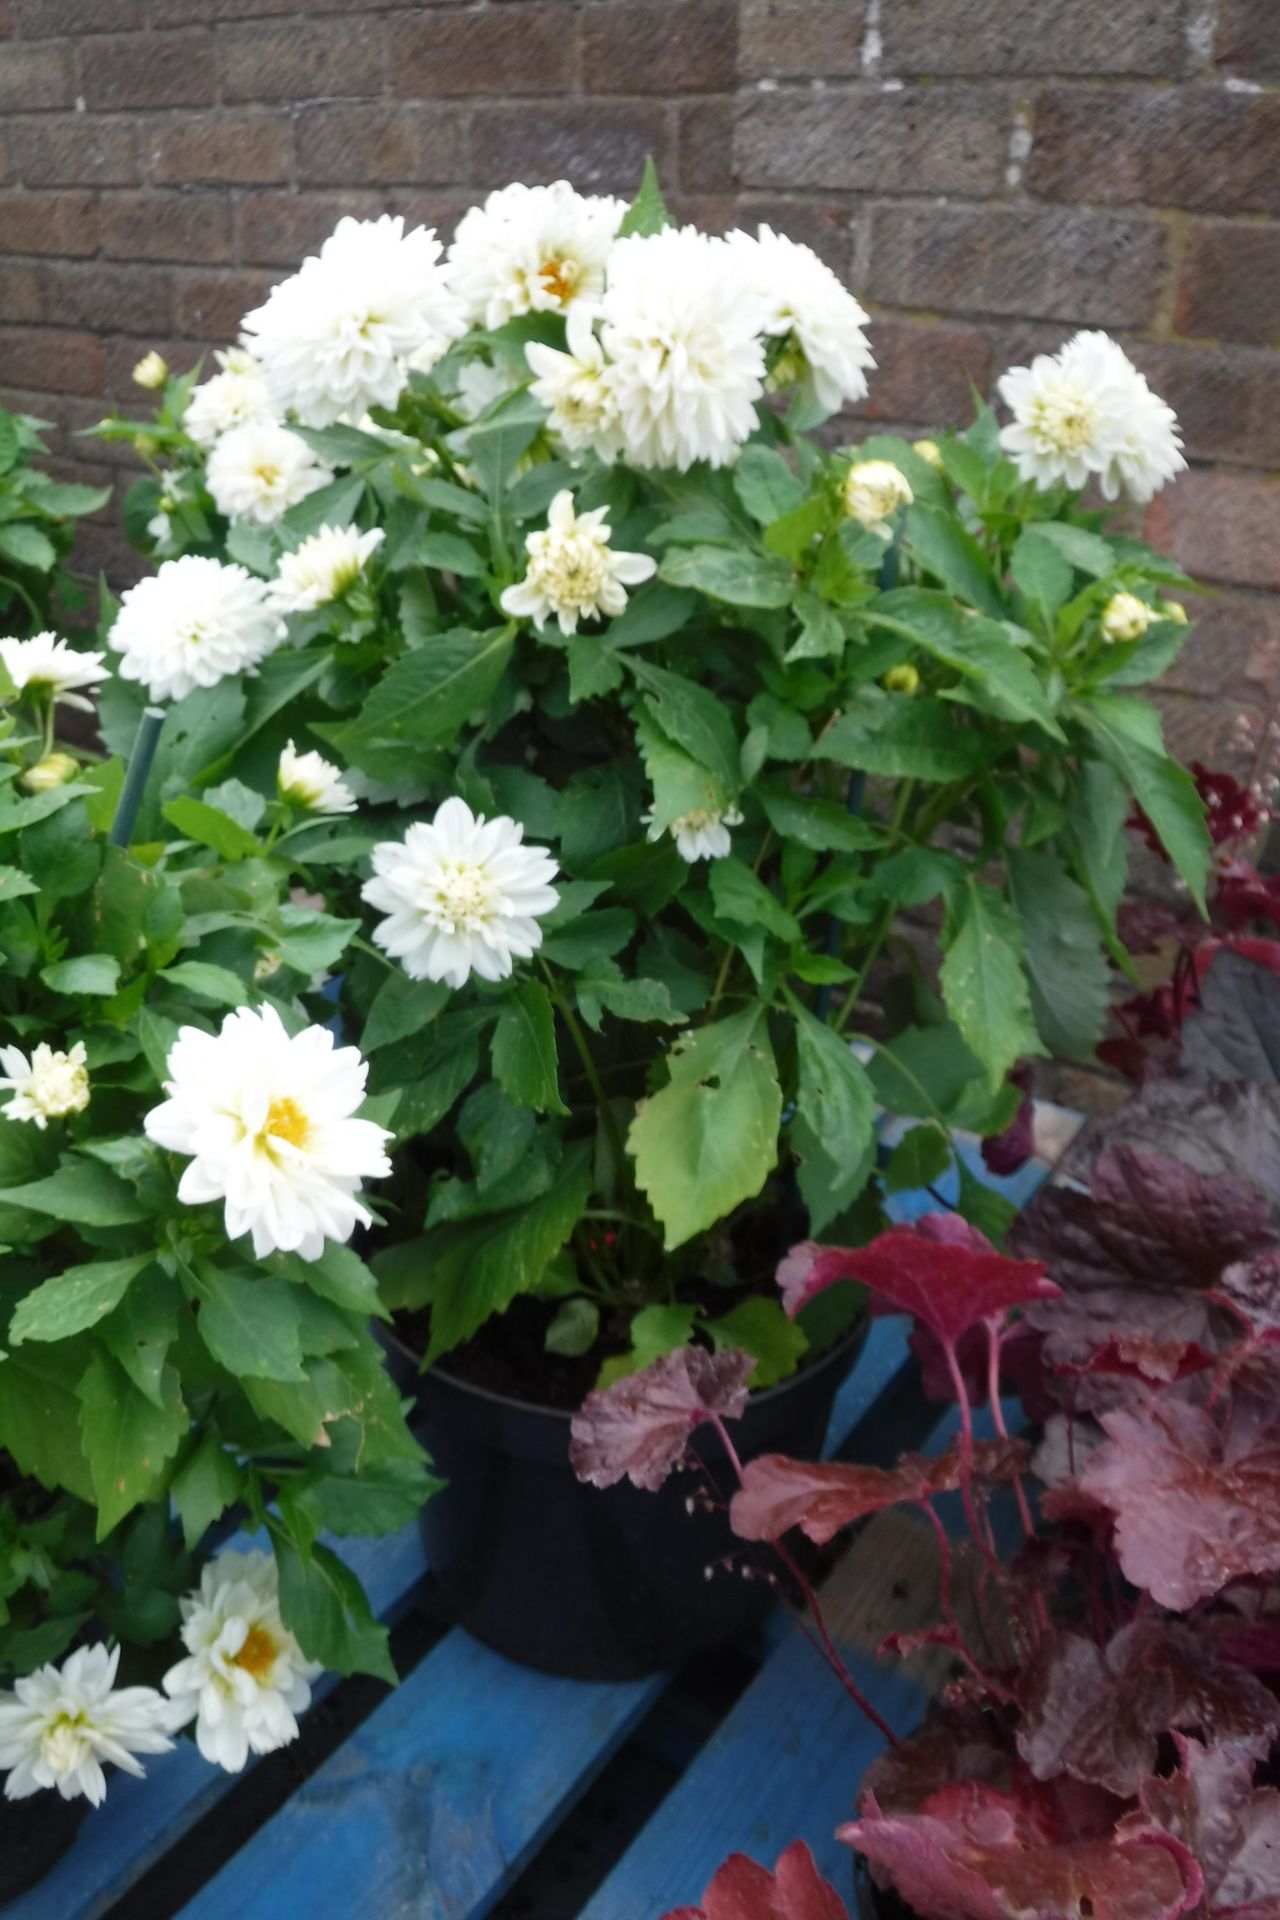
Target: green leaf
(331,506)
(204,1487)
(128,1441)
(680,784)
(694,719)
(822,637)
(761,1328)
(575,1328)
(39,1416)
(733,575)
(652,613)
(15,814)
(91,973)
(765,484)
(921,1156)
(451,552)
(594,669)
(208,982)
(81,1191)
(990,1212)
(339,1276)
(325,1605)
(1041,570)
(197,820)
(1070,979)
(401,1007)
(822,825)
(310,941)
(655,1331)
(426,695)
(14,883)
(342,446)
(647,213)
(524,1049)
(250,1323)
(26,546)
(949,551)
(918,739)
(742,896)
(76,1298)
(494,446)
(603,986)
(983,982)
(1086,551)
(708,1139)
(834,1130)
(1127,734)
(142,1329)
(998,673)
(1097,807)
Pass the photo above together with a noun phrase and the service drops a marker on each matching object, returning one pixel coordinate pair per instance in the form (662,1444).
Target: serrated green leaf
(740,895)
(78,1297)
(96,974)
(647,213)
(834,1129)
(1041,570)
(208,982)
(204,1487)
(921,1156)
(983,980)
(327,1609)
(574,1330)
(765,484)
(197,820)
(401,1007)
(1127,734)
(655,1331)
(1070,978)
(250,1323)
(40,1415)
(823,825)
(734,575)
(81,1191)
(1086,551)
(128,1441)
(761,1328)
(524,1049)
(949,551)
(426,695)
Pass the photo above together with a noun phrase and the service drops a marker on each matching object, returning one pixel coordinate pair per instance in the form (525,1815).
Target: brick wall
(988,173)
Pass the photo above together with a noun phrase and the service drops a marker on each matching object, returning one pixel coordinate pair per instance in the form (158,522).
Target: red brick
(6,159)
(824,225)
(134,299)
(793,39)
(502,50)
(79,150)
(352,145)
(320,61)
(924,374)
(34,79)
(1220,526)
(280,229)
(705,150)
(1014,36)
(1096,269)
(599,145)
(1249,38)
(49,222)
(928,140)
(1227,400)
(240,148)
(1233,653)
(1192,147)
(660,46)
(45,19)
(1230,282)
(46,357)
(149,70)
(185,227)
(8,25)
(210,306)
(21,294)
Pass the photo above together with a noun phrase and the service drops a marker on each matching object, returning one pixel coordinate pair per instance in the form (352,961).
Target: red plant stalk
(980,1534)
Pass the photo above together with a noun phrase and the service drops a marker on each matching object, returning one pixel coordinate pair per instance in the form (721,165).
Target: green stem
(608,1119)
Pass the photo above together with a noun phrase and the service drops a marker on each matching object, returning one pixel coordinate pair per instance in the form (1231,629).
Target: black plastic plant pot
(34,1835)
(599,1584)
(871,1902)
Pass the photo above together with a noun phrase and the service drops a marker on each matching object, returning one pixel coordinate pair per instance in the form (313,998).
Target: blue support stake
(145,742)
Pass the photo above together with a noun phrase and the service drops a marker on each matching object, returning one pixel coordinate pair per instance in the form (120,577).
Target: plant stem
(966,1456)
(608,1118)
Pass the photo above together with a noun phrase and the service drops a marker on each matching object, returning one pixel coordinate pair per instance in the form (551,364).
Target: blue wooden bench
(437,1802)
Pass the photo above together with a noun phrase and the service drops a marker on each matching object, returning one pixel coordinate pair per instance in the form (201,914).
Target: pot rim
(855,1335)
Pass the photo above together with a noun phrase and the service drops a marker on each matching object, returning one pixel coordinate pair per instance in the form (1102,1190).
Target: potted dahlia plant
(1108,1744)
(657,717)
(184,1153)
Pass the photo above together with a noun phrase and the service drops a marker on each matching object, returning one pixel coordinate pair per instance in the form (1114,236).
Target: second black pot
(34,1835)
(601,1585)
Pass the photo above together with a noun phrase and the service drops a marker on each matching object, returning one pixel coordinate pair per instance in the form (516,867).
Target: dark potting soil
(509,1355)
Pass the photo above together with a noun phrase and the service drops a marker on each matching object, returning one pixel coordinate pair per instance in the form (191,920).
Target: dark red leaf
(948,1284)
(743,1890)
(1005,1152)
(1193,1509)
(640,1426)
(778,1493)
(1232,1827)
(1234,1034)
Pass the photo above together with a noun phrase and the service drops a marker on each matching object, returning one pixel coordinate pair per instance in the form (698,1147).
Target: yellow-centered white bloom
(47,668)
(322,569)
(702,834)
(256,473)
(1086,411)
(237,396)
(532,250)
(873,490)
(190,624)
(268,1119)
(573,572)
(1125,617)
(151,371)
(58,1726)
(245,1679)
(307,780)
(46,1087)
(803,303)
(55,770)
(574,388)
(462,895)
(338,336)
(681,333)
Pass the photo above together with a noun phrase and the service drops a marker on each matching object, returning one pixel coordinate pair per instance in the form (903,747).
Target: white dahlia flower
(322,569)
(338,336)
(1125,617)
(702,834)
(1087,411)
(681,334)
(257,473)
(235,397)
(573,572)
(58,1726)
(46,1087)
(191,624)
(462,895)
(873,490)
(825,353)
(245,1678)
(268,1119)
(574,388)
(48,668)
(307,780)
(532,250)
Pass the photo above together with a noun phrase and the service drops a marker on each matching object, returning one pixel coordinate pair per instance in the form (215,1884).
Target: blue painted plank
(143,1819)
(437,1801)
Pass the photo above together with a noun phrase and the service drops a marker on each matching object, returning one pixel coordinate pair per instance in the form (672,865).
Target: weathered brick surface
(166,226)
(277,62)
(505,49)
(149,70)
(1181,147)
(934,141)
(1223,526)
(36,78)
(795,39)
(601,145)
(198,148)
(1004,36)
(660,46)
(49,222)
(72,150)
(1249,38)
(52,358)
(345,144)
(210,306)
(1229,286)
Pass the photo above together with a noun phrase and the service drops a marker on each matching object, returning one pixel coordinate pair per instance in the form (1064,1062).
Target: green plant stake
(141,755)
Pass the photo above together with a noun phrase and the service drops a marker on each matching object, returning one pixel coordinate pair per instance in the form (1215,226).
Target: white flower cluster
(1087,413)
(46,668)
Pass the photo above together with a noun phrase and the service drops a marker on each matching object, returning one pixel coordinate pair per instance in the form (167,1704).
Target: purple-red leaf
(1004,1153)
(639,1427)
(1232,1827)
(744,1890)
(778,1493)
(1193,1508)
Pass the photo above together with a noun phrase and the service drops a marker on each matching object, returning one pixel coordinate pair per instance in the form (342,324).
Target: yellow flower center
(64,1743)
(560,278)
(570,568)
(285,1121)
(1067,423)
(462,898)
(258,1652)
(268,473)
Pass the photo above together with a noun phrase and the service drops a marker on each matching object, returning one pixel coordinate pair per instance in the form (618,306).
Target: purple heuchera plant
(1114,1757)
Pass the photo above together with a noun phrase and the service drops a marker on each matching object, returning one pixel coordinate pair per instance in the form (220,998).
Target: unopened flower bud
(144,446)
(53,771)
(873,490)
(1125,617)
(929,451)
(903,679)
(151,371)
(1173,610)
